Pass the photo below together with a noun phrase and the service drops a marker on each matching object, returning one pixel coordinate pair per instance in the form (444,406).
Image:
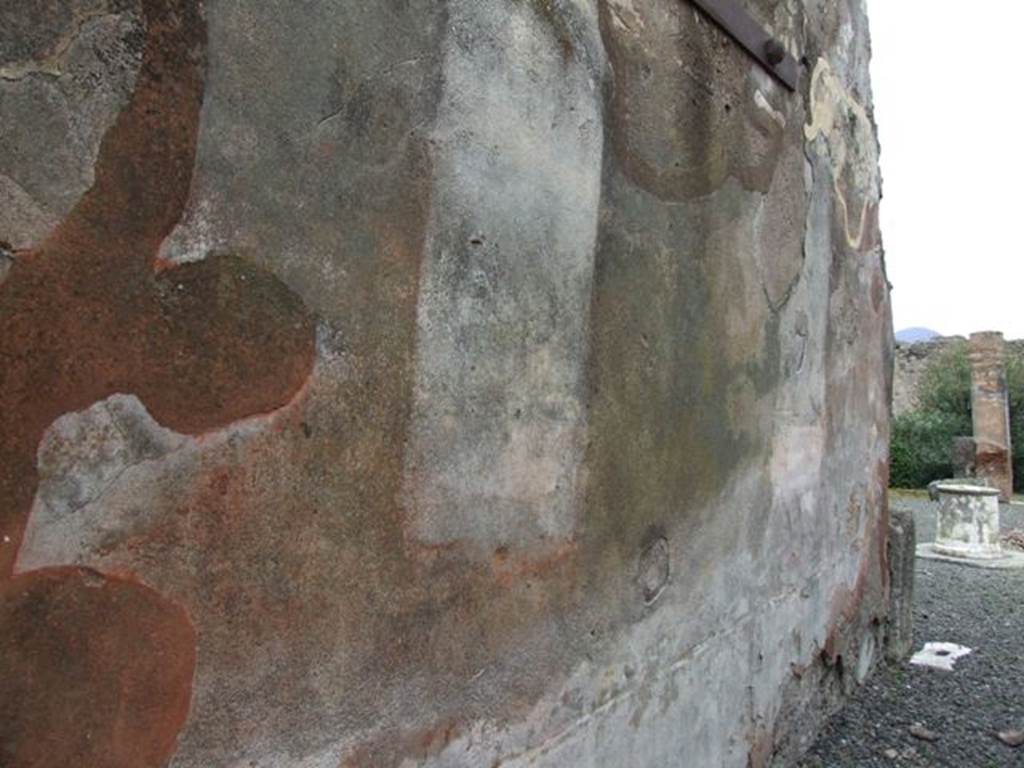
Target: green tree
(922,439)
(946,385)
(920,448)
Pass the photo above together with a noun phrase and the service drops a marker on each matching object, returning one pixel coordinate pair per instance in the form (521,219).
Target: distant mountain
(912,335)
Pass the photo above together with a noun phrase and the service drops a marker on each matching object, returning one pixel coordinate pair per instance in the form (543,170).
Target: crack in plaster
(644,684)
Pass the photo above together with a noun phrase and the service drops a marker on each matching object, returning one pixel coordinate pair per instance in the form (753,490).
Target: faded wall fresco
(466,383)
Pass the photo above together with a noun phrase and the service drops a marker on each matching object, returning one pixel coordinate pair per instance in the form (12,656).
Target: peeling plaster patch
(22,220)
(498,420)
(654,569)
(81,458)
(51,126)
(96,480)
(117,430)
(764,104)
(866,657)
(853,152)
(50,59)
(783,27)
(624,16)
(196,237)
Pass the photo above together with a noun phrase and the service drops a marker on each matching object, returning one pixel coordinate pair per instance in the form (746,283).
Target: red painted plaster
(97,671)
(104,664)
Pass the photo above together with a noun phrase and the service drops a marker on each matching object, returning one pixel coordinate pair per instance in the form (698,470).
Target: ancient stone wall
(912,359)
(466,383)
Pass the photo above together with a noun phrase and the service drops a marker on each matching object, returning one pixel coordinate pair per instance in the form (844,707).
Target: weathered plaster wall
(467,383)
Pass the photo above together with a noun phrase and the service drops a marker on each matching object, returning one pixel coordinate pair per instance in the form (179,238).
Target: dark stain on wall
(682,116)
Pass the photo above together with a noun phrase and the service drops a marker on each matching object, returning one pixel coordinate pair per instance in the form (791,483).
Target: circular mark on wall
(654,568)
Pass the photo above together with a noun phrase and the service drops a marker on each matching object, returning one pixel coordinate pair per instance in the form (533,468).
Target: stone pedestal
(968,525)
(899,630)
(990,411)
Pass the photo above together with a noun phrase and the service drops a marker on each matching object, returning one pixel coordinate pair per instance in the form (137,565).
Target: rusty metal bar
(772,55)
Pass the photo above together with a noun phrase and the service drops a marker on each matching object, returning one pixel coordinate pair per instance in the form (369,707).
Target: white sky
(948,79)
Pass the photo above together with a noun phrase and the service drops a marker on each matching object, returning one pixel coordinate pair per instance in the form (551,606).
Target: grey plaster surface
(588,466)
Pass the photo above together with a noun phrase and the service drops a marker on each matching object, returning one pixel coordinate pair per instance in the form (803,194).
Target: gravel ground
(966,708)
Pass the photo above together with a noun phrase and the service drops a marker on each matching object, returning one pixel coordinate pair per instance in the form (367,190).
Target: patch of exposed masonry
(54,112)
(81,458)
(53,58)
(96,471)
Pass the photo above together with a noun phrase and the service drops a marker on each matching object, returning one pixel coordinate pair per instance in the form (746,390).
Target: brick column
(990,411)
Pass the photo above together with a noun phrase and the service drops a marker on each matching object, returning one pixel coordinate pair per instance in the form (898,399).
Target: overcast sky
(947,79)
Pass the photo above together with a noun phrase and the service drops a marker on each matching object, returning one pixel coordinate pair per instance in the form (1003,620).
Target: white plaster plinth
(968,525)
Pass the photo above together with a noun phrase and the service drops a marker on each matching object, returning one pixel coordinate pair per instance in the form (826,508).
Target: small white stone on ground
(1011,738)
(918,731)
(939,655)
